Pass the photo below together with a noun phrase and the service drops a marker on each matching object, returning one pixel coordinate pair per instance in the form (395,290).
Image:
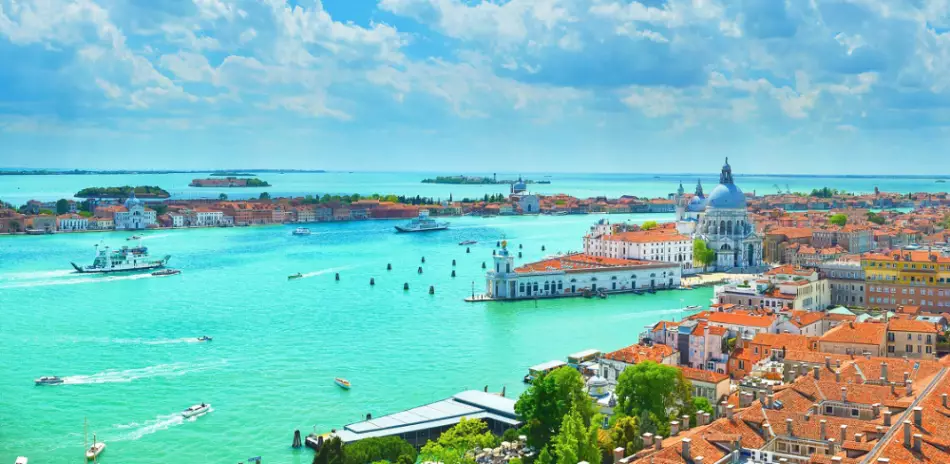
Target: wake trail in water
(129,375)
(326,271)
(37,274)
(151,237)
(77,281)
(134,430)
(655,312)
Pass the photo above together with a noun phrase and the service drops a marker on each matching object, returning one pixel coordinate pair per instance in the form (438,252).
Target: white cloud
(247,36)
(111,90)
(214,9)
(654,102)
(850,42)
(190,67)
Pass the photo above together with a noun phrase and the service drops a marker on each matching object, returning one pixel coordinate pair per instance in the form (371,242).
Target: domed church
(721,220)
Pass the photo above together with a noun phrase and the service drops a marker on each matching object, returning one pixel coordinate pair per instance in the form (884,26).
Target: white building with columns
(661,244)
(136,216)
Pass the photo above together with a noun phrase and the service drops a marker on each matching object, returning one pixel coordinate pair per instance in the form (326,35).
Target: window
(910,336)
(829,410)
(928,349)
(910,349)
(854,413)
(890,349)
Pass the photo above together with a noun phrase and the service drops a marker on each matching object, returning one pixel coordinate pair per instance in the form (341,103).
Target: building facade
(912,339)
(664,245)
(135,216)
(846,279)
(914,278)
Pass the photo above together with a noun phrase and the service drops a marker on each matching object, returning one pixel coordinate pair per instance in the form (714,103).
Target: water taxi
(124,259)
(342,383)
(166,272)
(301,231)
(422,224)
(21,460)
(468,242)
(52,380)
(134,237)
(294,276)
(196,410)
(204,338)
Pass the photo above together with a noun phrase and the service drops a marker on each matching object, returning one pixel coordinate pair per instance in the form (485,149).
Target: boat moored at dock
(543,368)
(423,224)
(125,259)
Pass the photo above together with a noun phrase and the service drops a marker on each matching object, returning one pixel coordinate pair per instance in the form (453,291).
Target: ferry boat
(342,383)
(124,259)
(301,231)
(52,380)
(196,410)
(422,224)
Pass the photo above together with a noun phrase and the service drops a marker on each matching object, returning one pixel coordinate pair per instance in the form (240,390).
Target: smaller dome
(696,205)
(726,196)
(132,201)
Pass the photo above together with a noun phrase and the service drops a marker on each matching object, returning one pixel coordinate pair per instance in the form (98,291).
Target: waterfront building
(915,278)
(71,222)
(205,217)
(784,287)
(304,214)
(134,215)
(779,238)
(575,274)
(854,338)
(421,424)
(101,223)
(613,363)
(846,280)
(12,222)
(911,338)
(660,244)
(177,219)
(44,222)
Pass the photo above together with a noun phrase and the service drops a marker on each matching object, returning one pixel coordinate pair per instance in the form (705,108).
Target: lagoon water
(125,343)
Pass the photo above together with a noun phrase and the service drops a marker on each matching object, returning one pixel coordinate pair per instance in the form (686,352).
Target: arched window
(547,286)
(729,228)
(722,227)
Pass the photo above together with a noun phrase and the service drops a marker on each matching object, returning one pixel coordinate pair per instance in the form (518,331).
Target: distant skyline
(475,86)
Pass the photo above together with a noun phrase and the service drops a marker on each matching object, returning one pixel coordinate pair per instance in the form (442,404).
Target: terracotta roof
(788,341)
(702,375)
(647,236)
(741,319)
(910,325)
(581,262)
(634,354)
(864,333)
(917,256)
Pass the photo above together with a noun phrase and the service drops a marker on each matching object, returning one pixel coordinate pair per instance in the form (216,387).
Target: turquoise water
(19,189)
(122,341)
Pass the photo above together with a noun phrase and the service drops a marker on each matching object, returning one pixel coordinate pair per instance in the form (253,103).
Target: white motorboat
(21,460)
(52,380)
(196,410)
(134,237)
(422,224)
(301,231)
(204,338)
(342,383)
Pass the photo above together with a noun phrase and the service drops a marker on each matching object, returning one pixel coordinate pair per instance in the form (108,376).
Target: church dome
(132,201)
(727,196)
(696,205)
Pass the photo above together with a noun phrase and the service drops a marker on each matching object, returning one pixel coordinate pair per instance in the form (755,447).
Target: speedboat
(342,383)
(95,450)
(21,460)
(692,307)
(301,231)
(196,410)
(294,276)
(204,338)
(468,242)
(52,380)
(166,272)
(134,237)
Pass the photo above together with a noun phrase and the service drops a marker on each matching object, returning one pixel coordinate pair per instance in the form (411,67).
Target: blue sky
(800,86)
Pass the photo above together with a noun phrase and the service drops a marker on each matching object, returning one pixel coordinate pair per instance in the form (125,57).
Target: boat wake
(152,237)
(135,430)
(640,314)
(128,375)
(325,271)
(36,274)
(77,281)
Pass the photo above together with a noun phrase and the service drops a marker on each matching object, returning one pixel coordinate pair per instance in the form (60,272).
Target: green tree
(330,453)
(625,434)
(700,403)
(48,212)
(455,443)
(550,397)
(876,218)
(576,441)
(660,389)
(648,225)
(62,206)
(702,255)
(223,197)
(511,435)
(159,208)
(647,422)
(838,219)
(264,196)
(389,449)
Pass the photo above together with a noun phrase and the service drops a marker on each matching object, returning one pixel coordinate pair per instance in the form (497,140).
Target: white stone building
(135,217)
(208,218)
(72,222)
(664,245)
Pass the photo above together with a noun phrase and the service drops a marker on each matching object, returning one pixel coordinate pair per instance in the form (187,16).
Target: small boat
(561,213)
(21,460)
(638,292)
(651,291)
(134,237)
(301,231)
(95,450)
(692,307)
(196,410)
(52,380)
(468,242)
(294,276)
(166,272)
(342,383)
(204,338)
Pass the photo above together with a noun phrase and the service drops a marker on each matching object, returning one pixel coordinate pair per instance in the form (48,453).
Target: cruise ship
(124,259)
(422,224)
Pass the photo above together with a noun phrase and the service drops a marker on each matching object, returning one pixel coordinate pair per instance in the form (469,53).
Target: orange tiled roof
(911,325)
(864,333)
(702,375)
(741,319)
(647,236)
(580,262)
(634,354)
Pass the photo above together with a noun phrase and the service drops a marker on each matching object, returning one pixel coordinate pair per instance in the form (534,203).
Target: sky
(792,87)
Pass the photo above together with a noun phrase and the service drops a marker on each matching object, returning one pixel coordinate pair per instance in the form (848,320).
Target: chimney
(883,461)
(876,410)
(685,422)
(618,454)
(893,390)
(647,439)
(686,442)
(729,412)
(884,370)
(707,419)
(699,418)
(828,362)
(793,373)
(721,411)
(802,370)
(943,398)
(887,418)
(867,355)
(698,460)
(789,428)
(844,394)
(838,363)
(674,428)
(844,433)
(908,388)
(918,416)
(822,429)
(878,432)
(907,433)
(906,376)
(771,401)
(657,442)
(859,437)
(817,373)
(918,438)
(744,400)
(837,376)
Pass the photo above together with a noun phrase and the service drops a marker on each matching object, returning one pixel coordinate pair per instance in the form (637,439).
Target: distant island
(229,182)
(80,172)
(142,191)
(478,180)
(232,174)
